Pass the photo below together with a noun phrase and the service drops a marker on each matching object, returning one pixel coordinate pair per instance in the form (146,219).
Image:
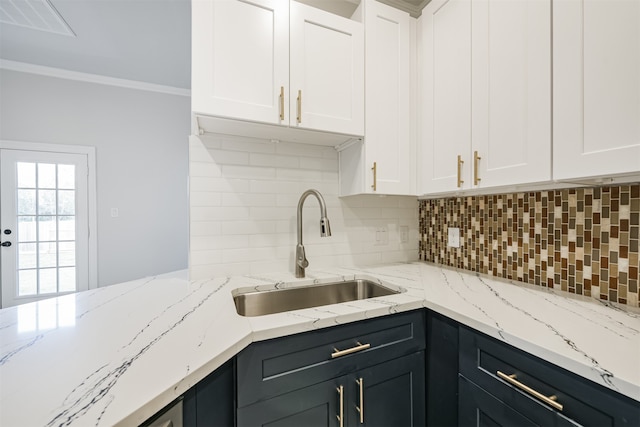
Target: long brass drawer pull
(549,400)
(460,163)
(299,109)
(375,176)
(359,347)
(341,416)
(281,102)
(360,408)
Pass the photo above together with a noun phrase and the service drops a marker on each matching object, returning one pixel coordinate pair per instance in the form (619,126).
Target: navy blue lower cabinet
(442,371)
(211,402)
(388,394)
(477,408)
(393,394)
(534,388)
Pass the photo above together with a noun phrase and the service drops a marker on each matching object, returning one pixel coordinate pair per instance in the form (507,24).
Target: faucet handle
(301,258)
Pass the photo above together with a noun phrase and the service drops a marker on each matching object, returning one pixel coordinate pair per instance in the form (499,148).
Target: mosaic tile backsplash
(579,240)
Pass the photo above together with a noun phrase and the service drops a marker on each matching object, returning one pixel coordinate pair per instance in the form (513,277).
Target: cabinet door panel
(446,96)
(387,133)
(479,408)
(240,58)
(327,67)
(596,91)
(393,393)
(313,406)
(511,81)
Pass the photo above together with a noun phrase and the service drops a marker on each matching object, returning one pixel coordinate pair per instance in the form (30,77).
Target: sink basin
(280,300)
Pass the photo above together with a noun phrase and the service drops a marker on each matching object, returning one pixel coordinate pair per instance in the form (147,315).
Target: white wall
(244,196)
(142,162)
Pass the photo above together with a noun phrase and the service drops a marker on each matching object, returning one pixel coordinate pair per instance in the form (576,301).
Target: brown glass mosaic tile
(580,240)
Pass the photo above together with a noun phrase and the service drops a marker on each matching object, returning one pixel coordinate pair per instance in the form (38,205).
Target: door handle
(341,395)
(5,244)
(360,408)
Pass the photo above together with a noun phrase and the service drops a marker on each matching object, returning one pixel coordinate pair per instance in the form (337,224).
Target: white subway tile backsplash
(274,160)
(244,195)
(248,172)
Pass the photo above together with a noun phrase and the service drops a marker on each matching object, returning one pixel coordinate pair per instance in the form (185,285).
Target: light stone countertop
(116,355)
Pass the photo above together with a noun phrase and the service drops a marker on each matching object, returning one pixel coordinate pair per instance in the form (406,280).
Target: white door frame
(90,152)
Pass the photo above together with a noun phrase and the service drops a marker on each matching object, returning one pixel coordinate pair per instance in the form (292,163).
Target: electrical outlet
(404,234)
(453,237)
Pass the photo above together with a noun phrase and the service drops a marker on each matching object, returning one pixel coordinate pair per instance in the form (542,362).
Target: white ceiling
(142,40)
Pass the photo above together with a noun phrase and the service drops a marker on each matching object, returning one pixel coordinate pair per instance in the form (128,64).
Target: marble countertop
(116,355)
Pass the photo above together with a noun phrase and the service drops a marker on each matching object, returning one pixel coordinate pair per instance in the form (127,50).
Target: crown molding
(91,78)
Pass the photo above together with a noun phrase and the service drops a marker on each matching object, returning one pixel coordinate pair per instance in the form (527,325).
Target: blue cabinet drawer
(269,368)
(534,387)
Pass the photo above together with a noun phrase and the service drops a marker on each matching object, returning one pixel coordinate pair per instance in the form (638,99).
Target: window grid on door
(46,205)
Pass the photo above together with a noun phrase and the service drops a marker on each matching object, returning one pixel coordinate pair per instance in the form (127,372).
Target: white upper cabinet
(445,113)
(596,89)
(240,60)
(280,63)
(511,92)
(389,142)
(327,71)
(486,94)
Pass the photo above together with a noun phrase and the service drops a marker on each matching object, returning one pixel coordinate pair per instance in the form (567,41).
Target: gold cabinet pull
(375,176)
(359,347)
(460,163)
(549,400)
(476,159)
(299,109)
(360,408)
(341,416)
(281,102)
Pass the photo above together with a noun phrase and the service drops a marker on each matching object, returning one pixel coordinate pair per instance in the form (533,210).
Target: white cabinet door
(596,89)
(240,59)
(445,115)
(387,130)
(327,71)
(511,92)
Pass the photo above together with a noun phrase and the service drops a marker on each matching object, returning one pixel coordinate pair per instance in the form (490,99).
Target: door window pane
(47,228)
(48,280)
(66,228)
(67,254)
(67,177)
(26,175)
(26,202)
(47,202)
(67,279)
(27,282)
(46,175)
(27,256)
(66,202)
(47,255)
(27,229)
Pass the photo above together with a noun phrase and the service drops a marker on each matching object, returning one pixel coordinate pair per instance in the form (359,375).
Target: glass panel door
(44,225)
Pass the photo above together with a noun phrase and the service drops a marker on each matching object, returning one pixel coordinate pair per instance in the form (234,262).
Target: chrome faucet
(325,230)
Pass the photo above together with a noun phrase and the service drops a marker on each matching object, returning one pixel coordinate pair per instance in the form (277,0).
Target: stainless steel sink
(280,300)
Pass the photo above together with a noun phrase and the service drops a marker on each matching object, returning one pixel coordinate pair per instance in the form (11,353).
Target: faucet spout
(325,229)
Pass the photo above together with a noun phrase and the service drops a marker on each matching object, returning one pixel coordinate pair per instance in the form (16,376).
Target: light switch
(114,213)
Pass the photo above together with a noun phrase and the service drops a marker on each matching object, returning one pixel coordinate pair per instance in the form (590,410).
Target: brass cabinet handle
(341,416)
(476,159)
(360,408)
(549,400)
(299,111)
(460,163)
(359,347)
(281,102)
(375,176)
